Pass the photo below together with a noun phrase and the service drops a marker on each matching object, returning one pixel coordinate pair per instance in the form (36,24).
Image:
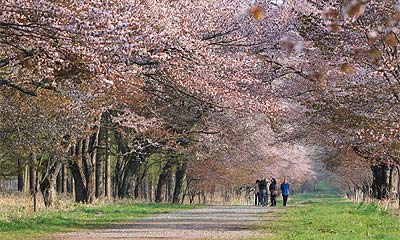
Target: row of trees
(346,91)
(124,99)
(128,98)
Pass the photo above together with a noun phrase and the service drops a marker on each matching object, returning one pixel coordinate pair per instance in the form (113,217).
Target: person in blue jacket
(285,191)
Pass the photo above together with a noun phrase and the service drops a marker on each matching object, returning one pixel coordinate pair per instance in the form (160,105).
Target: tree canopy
(224,91)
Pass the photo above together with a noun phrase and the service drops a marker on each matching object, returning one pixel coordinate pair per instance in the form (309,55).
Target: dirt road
(214,222)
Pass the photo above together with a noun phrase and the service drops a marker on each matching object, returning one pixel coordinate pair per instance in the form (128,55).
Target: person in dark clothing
(273,191)
(285,191)
(256,193)
(262,185)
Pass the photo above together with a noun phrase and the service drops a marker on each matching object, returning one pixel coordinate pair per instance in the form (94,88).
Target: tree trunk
(75,165)
(380,182)
(162,180)
(390,185)
(140,188)
(145,188)
(107,177)
(170,186)
(73,187)
(138,185)
(118,171)
(129,177)
(186,191)
(150,188)
(48,183)
(100,175)
(64,178)
(20,181)
(179,178)
(89,150)
(365,191)
(35,190)
(79,184)
(117,176)
(69,184)
(32,173)
(398,183)
(26,178)
(102,153)
(59,182)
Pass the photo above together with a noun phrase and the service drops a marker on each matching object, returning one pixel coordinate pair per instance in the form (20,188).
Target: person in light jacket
(285,191)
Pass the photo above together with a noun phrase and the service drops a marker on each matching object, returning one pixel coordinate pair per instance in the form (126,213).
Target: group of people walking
(263,188)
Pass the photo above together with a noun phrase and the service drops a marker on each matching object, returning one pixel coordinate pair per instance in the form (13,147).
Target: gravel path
(214,222)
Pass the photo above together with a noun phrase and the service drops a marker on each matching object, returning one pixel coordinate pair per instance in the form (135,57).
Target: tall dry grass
(16,205)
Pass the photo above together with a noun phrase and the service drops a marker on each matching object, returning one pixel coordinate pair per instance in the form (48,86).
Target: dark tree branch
(17,87)
(217,35)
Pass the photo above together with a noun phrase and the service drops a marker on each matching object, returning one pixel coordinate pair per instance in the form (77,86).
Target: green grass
(82,217)
(327,217)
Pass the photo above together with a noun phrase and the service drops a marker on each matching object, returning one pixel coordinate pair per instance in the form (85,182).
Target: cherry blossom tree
(345,82)
(228,83)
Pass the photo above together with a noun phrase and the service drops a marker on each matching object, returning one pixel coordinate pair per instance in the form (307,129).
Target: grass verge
(82,217)
(326,217)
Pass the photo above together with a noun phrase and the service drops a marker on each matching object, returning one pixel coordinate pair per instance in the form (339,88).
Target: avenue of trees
(175,100)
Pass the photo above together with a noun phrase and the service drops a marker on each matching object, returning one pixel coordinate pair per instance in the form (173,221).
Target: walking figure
(262,185)
(285,191)
(256,193)
(273,191)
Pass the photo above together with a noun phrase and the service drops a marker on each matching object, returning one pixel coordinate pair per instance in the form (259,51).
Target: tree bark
(20,179)
(138,185)
(107,183)
(59,182)
(145,188)
(73,187)
(398,183)
(179,179)
(102,153)
(390,185)
(170,186)
(79,184)
(140,188)
(35,190)
(107,177)
(380,181)
(64,178)
(26,178)
(75,165)
(162,181)
(89,148)
(118,171)
(150,189)
(117,176)
(48,183)
(69,184)
(100,174)
(129,177)
(32,173)
(365,190)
